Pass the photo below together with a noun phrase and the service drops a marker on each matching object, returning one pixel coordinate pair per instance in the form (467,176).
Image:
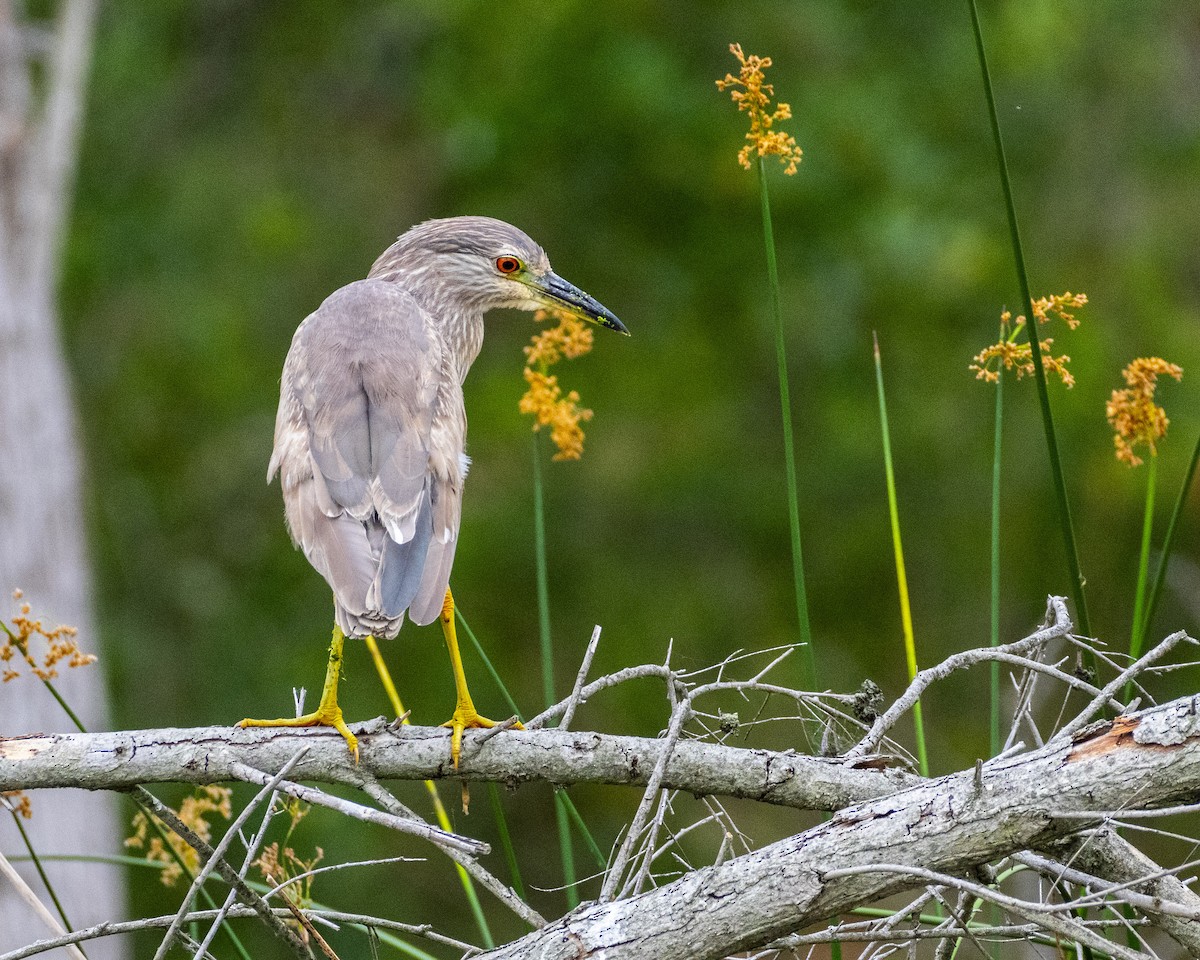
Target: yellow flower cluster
(1019,356)
(17,801)
(1134,416)
(15,646)
(544,399)
(755,98)
(206,800)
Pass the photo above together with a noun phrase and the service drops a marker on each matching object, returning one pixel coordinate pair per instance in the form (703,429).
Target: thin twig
(218,854)
(312,795)
(574,699)
(1059,626)
(25,893)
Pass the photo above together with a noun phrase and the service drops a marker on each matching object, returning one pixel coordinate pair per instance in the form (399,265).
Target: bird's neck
(458,319)
(462,335)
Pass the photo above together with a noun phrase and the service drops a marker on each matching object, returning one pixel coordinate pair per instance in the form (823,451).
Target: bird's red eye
(508,264)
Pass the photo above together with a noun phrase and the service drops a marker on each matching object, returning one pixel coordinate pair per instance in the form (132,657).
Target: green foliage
(242,160)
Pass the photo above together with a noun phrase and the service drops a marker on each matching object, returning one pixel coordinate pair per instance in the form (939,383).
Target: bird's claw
(467,718)
(323,716)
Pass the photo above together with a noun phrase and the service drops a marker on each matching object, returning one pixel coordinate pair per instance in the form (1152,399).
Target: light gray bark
(948,825)
(106,761)
(895,832)
(42,547)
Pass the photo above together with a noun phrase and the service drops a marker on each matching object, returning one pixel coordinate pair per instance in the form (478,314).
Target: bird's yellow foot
(323,716)
(467,718)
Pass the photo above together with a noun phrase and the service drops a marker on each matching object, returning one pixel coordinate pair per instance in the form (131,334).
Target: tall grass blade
(1160,574)
(994,741)
(1039,374)
(910,645)
(1138,633)
(789,452)
(439,809)
(566,852)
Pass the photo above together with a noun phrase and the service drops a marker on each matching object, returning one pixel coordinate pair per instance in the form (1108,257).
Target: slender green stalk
(1138,633)
(1039,373)
(1169,539)
(506,844)
(789,453)
(566,851)
(577,819)
(994,678)
(439,808)
(41,872)
(910,645)
(543,578)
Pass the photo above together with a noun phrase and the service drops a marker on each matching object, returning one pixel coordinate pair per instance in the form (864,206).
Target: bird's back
(368,441)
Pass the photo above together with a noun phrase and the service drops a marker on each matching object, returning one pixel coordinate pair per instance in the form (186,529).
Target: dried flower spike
(1132,412)
(192,812)
(544,399)
(754,96)
(17,645)
(1011,355)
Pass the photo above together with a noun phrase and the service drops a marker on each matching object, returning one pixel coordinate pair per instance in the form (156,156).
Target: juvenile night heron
(371,430)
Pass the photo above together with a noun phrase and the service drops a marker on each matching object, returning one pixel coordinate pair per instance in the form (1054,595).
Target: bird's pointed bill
(557,292)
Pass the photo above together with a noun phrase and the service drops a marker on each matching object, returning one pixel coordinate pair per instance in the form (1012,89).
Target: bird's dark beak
(557,292)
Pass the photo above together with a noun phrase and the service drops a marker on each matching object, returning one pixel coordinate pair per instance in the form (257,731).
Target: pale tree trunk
(42,544)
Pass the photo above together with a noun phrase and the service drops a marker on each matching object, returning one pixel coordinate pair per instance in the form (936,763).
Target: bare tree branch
(947,826)
(111,761)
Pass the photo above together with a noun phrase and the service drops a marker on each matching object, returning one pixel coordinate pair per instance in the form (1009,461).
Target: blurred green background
(243,159)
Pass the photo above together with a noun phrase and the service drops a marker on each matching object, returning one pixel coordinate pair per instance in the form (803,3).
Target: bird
(370,436)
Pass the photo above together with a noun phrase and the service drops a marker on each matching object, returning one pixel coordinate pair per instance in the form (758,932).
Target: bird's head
(484,263)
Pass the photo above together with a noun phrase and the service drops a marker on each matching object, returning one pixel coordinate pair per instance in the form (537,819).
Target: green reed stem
(1039,373)
(566,852)
(439,808)
(994,741)
(41,872)
(789,453)
(910,645)
(1160,574)
(506,844)
(1138,633)
(543,578)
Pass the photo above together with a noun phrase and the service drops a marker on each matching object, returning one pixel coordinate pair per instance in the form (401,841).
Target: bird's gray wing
(360,388)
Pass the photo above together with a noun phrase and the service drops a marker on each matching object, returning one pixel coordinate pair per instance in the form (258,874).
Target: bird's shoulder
(365,315)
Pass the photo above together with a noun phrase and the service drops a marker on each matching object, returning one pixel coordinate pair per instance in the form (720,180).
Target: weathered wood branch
(114,761)
(949,825)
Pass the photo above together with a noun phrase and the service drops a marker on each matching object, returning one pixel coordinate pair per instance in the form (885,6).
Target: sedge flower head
(1009,354)
(544,399)
(39,647)
(194,813)
(753,94)
(1135,418)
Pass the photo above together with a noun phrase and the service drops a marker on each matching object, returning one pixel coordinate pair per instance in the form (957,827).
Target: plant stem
(1138,633)
(542,572)
(1160,574)
(439,809)
(1039,373)
(910,645)
(510,853)
(809,658)
(566,851)
(994,678)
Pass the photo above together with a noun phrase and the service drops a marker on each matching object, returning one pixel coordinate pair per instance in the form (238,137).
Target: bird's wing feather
(362,383)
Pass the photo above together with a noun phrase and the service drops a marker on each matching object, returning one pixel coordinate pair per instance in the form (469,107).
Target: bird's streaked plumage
(371,431)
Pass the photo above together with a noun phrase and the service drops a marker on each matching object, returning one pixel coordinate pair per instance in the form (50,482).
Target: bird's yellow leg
(328,713)
(465,715)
